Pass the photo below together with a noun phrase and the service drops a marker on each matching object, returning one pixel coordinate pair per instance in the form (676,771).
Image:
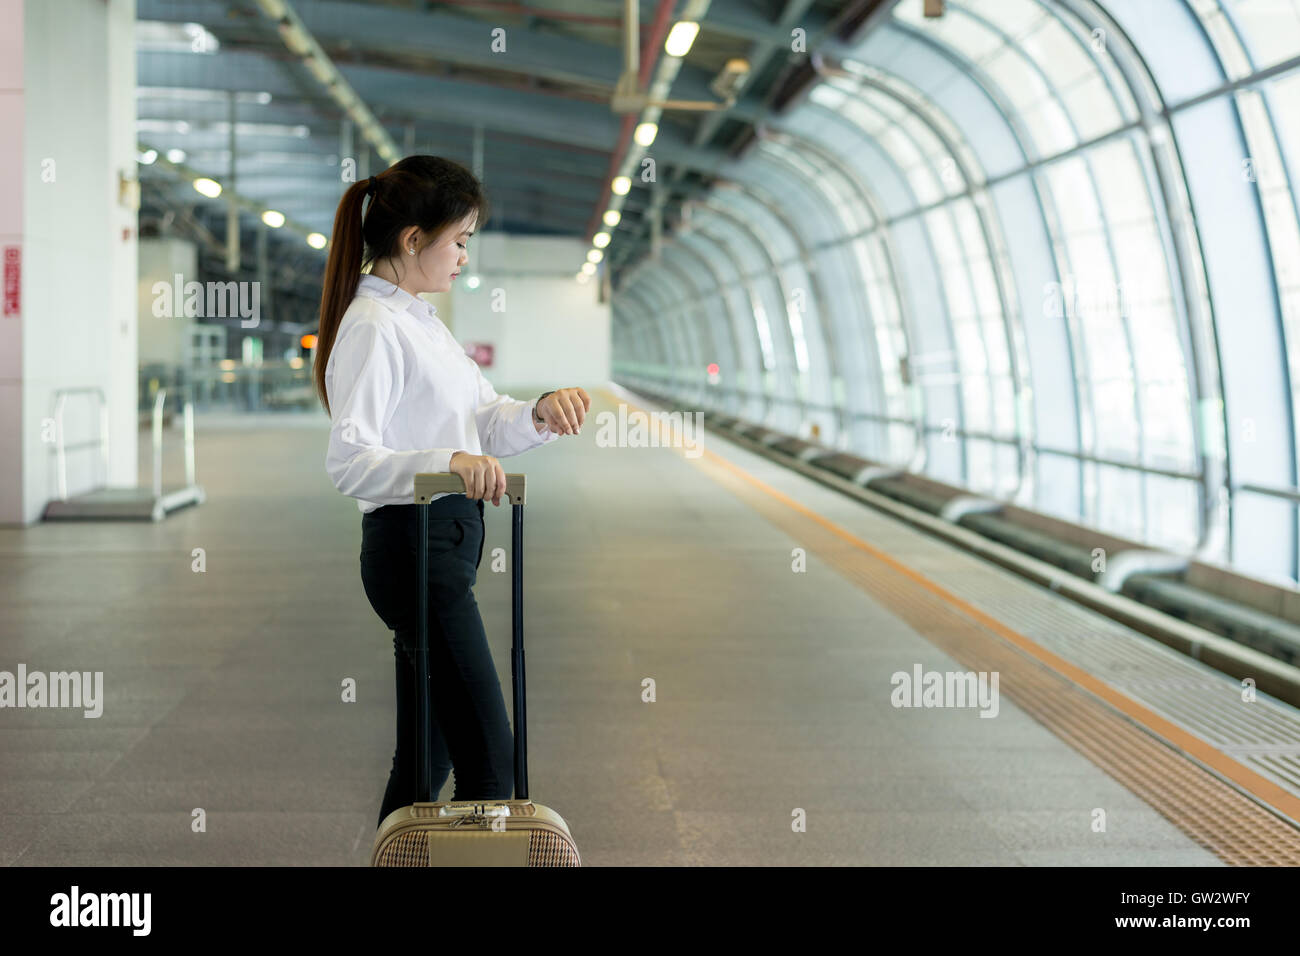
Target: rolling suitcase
(514,832)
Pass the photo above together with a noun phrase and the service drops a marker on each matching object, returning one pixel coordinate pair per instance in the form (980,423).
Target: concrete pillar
(68,213)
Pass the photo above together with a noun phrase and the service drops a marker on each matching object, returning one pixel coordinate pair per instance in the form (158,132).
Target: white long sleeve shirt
(404,396)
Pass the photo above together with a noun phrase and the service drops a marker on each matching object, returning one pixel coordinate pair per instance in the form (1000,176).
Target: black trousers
(470,729)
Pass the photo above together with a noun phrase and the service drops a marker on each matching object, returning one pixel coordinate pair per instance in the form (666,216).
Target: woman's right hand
(483,476)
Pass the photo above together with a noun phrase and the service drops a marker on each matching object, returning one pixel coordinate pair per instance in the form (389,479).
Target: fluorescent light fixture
(222,127)
(621,185)
(161,37)
(612,217)
(208,187)
(273,219)
(645,133)
(159,126)
(198,96)
(680,37)
(316,240)
(220,158)
(594,255)
(600,240)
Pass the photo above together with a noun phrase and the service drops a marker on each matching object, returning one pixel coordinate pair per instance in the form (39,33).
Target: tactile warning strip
(1117,734)
(1214,814)
(1263,734)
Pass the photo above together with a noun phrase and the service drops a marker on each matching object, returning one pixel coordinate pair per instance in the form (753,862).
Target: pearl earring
(411,251)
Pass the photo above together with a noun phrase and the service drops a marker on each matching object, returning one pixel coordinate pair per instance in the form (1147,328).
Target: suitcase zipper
(534,824)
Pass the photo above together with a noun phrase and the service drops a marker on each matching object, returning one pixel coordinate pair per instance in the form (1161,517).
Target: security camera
(728,82)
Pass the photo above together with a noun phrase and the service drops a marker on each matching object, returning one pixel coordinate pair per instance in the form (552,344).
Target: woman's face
(434,266)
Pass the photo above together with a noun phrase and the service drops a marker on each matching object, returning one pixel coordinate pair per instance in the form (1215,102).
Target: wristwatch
(540,421)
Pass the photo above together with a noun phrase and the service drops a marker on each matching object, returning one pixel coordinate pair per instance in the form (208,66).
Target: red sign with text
(480,352)
(13,280)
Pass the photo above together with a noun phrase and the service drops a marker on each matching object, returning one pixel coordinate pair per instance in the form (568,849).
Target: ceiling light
(220,158)
(594,255)
(645,133)
(600,240)
(199,96)
(316,240)
(222,128)
(273,219)
(157,36)
(175,155)
(208,187)
(612,217)
(621,185)
(589,268)
(680,37)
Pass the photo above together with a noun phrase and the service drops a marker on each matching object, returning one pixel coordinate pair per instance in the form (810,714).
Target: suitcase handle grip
(430,483)
(475,809)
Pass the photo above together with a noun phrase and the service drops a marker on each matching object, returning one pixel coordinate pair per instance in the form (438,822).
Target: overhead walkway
(773,735)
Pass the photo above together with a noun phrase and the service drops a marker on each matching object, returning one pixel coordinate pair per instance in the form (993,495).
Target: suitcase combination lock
(475,813)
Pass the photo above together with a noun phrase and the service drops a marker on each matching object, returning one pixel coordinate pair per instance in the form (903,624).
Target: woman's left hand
(564,410)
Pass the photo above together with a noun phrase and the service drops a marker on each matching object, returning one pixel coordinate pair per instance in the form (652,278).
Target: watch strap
(540,421)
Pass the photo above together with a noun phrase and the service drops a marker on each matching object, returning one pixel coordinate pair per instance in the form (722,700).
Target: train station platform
(804,653)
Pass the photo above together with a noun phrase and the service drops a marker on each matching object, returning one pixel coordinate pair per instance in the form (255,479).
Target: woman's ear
(410,240)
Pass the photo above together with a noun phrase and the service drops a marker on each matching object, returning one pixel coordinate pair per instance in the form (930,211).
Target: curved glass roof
(1046,251)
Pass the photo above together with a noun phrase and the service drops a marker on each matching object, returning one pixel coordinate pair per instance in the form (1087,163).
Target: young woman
(404,397)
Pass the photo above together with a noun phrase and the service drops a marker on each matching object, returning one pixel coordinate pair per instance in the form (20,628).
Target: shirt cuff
(440,460)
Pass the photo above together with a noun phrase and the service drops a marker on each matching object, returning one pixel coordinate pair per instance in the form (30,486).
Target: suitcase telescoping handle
(426,486)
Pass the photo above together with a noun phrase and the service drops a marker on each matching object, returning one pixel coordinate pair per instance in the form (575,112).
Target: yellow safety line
(1261,787)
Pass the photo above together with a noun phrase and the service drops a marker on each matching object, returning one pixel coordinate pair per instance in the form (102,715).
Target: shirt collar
(394,297)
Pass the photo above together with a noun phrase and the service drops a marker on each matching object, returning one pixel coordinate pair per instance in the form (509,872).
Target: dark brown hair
(426,191)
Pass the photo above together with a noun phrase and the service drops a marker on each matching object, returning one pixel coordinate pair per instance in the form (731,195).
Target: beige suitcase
(514,832)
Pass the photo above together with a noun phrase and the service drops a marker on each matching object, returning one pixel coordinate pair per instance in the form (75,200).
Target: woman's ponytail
(342,275)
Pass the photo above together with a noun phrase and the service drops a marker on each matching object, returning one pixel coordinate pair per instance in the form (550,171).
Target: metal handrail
(1008,440)
(1289,494)
(61,447)
(156,440)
